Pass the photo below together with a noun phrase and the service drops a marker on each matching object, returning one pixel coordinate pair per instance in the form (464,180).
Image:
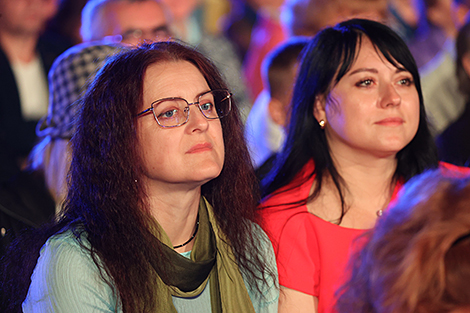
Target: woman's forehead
(366,52)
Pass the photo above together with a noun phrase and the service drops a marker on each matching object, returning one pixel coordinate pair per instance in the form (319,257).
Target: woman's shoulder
(63,252)
(263,241)
(70,241)
(66,275)
(71,250)
(290,200)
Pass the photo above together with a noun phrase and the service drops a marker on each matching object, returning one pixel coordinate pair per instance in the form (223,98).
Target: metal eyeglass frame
(229,96)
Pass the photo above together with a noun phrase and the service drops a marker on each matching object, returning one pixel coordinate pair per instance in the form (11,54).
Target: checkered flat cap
(69,78)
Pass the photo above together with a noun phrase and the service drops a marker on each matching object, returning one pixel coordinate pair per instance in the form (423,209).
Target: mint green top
(67,280)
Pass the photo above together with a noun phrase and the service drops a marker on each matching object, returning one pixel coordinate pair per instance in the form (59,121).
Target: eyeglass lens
(161,32)
(174,112)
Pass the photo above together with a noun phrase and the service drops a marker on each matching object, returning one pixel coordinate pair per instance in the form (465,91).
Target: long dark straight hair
(105,198)
(327,58)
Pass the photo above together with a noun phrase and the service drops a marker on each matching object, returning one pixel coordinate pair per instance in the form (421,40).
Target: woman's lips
(201,147)
(391,121)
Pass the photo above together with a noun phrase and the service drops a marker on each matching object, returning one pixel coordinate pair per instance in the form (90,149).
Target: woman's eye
(405,82)
(168,114)
(207,106)
(365,82)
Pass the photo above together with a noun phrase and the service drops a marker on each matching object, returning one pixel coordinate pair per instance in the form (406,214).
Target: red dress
(312,254)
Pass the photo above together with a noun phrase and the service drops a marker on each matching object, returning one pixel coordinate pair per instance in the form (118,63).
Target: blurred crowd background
(255,44)
(237,35)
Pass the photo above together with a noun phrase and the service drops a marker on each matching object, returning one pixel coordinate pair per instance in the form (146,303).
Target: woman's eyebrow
(375,71)
(401,69)
(363,69)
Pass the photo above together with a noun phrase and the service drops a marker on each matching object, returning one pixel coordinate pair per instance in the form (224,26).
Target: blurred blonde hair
(417,257)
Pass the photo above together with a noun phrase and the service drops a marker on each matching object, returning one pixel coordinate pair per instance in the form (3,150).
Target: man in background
(133,21)
(25,59)
(126,21)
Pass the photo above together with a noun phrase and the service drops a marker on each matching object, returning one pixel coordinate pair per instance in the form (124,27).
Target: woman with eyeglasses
(160,214)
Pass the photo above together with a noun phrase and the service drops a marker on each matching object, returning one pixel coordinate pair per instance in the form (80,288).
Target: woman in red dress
(358,131)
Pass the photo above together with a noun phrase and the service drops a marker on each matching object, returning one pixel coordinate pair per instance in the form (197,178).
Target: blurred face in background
(26,17)
(307,17)
(257,4)
(136,21)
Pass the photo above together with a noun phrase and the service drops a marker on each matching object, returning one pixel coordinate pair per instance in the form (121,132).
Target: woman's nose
(390,96)
(197,120)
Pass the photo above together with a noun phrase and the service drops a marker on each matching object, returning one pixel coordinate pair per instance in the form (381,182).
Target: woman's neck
(368,187)
(176,211)
(368,173)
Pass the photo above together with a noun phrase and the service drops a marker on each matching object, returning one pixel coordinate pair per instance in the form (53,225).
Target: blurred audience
(454,144)
(417,257)
(404,17)
(307,17)
(65,25)
(238,24)
(188,27)
(24,202)
(126,21)
(266,122)
(280,19)
(37,193)
(132,22)
(436,25)
(434,51)
(213,12)
(267,33)
(25,59)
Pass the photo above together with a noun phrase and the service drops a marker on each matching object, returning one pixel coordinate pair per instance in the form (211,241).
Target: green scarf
(212,260)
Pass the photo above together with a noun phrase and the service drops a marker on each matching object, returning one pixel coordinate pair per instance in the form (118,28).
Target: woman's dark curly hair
(105,195)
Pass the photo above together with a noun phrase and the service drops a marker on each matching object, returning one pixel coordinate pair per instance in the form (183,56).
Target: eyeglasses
(174,112)
(161,32)
(133,36)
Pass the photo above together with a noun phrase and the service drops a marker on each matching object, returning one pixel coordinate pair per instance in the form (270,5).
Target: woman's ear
(319,108)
